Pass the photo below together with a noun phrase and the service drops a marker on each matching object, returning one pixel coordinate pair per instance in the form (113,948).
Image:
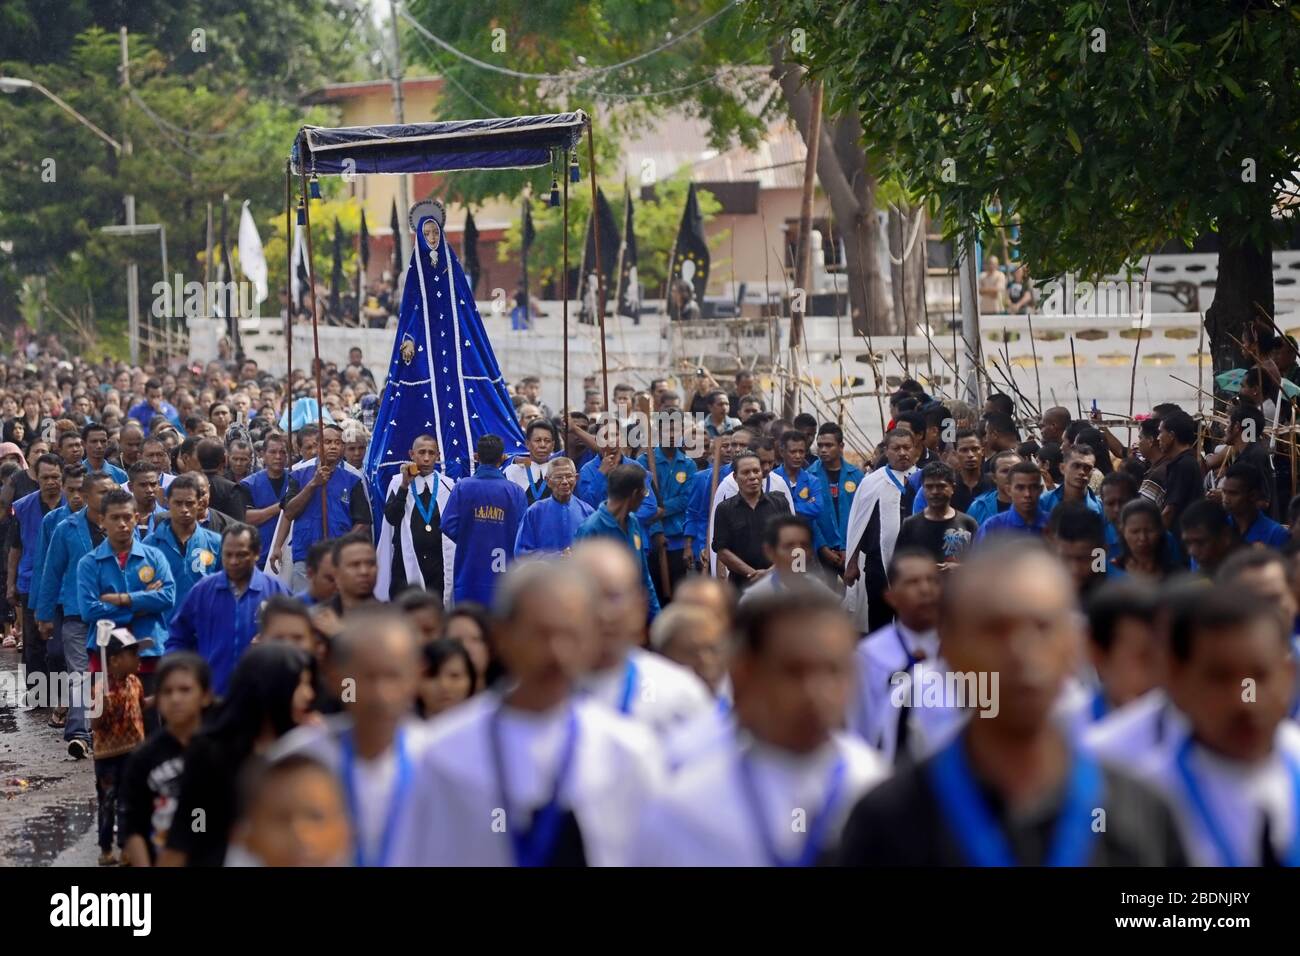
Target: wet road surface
(47,799)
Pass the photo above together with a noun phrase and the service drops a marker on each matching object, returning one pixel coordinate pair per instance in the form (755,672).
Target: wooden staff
(288,298)
(1213,397)
(1133,377)
(600,273)
(1078,401)
(564,291)
(1291,444)
(1200,369)
(1033,350)
(315,335)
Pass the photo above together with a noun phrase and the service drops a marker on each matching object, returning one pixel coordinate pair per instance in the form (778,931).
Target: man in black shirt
(1011,789)
(224,495)
(1184,482)
(740,521)
(417,526)
(971,479)
(940,529)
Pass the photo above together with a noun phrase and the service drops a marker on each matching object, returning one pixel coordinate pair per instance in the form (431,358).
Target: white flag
(252,260)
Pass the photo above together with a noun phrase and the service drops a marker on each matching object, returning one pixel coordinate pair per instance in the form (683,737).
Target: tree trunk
(907,267)
(851,190)
(1245,281)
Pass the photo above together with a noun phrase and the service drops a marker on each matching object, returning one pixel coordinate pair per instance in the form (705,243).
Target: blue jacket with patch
(200,557)
(675,476)
(603,524)
(146,579)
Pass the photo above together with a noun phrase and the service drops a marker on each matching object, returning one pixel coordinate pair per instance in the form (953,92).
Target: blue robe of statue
(443,379)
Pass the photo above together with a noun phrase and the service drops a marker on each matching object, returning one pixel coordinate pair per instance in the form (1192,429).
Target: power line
(455,82)
(596,71)
(138,100)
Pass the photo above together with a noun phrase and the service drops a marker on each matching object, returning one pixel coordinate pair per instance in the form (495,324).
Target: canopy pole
(288,297)
(600,272)
(564,292)
(315,336)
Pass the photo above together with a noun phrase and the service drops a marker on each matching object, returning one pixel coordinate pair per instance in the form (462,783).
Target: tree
(210,115)
(1107,130)
(721,73)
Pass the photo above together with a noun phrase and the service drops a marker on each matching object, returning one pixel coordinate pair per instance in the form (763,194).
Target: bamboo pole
(1033,350)
(600,273)
(288,299)
(1132,383)
(315,336)
(1074,364)
(564,292)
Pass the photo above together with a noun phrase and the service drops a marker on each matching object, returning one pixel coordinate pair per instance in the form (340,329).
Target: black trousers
(34,649)
(676,571)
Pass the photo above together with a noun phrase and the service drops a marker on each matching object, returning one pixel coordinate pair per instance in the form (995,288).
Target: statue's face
(431,233)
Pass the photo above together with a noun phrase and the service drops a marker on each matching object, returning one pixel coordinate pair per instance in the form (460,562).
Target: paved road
(47,799)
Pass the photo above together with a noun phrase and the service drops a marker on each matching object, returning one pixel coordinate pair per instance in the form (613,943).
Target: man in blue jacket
(344,492)
(24,534)
(125,581)
(701,499)
(57,604)
(840,480)
(482,516)
(593,478)
(675,472)
(191,552)
(265,490)
(616,518)
(218,618)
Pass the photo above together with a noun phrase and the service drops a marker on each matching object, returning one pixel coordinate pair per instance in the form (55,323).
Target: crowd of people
(724,639)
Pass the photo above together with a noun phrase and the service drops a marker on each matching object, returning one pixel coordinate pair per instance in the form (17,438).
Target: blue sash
(629,687)
(533,846)
(400,787)
(1196,797)
(978,832)
(427,513)
(817,826)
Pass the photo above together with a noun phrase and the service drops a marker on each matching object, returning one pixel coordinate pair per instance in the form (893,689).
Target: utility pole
(132,270)
(402,239)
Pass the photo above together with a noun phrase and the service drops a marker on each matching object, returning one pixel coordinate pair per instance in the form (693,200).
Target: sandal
(58,720)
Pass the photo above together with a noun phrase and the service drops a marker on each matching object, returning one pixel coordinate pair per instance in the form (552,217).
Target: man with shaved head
(647,687)
(1053,424)
(1011,789)
(534,775)
(373,746)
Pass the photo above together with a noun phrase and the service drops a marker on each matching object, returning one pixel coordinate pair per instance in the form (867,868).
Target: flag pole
(315,336)
(600,273)
(564,291)
(290,239)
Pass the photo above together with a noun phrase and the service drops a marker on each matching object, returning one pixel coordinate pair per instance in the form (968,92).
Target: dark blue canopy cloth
(443,379)
(512,142)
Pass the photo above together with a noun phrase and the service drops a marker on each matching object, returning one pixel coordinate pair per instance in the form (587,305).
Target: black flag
(364,244)
(689,273)
(609,246)
(229,296)
(469,251)
(396,225)
(336,273)
(629,292)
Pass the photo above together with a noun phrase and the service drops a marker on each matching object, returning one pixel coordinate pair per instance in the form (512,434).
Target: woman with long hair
(1144,546)
(271,692)
(448,677)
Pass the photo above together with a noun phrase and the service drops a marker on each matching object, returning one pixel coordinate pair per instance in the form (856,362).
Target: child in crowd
(117,731)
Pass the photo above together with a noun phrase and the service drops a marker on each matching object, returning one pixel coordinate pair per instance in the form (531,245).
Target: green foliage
(1102,155)
(570,36)
(207,123)
(655,221)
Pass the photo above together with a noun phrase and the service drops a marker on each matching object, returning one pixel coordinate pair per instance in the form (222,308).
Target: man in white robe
(532,775)
(778,790)
(421,497)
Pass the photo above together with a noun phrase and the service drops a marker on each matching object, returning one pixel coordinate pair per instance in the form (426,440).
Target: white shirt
(374,780)
(878,657)
(664,694)
(1127,735)
(454,816)
(1239,796)
(705,817)
(772,582)
(519,473)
